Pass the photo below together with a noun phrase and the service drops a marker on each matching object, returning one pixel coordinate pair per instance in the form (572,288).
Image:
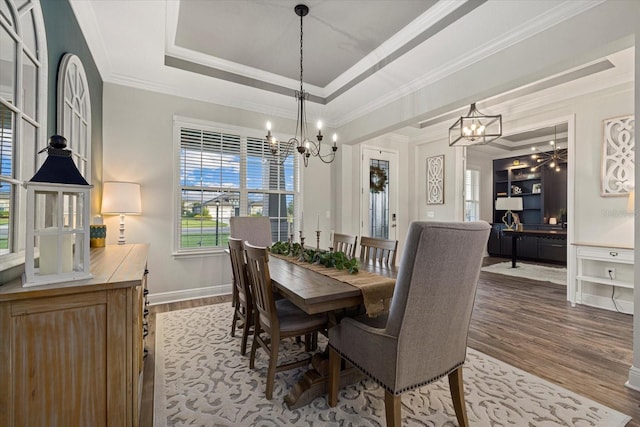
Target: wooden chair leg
(245,335)
(334,376)
(392,408)
(273,363)
(254,346)
(456,386)
(234,320)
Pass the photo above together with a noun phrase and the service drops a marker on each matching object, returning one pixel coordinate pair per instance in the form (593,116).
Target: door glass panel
(379,198)
(5,12)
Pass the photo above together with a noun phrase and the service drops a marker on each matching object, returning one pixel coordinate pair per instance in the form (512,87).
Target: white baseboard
(606,303)
(634,379)
(187,294)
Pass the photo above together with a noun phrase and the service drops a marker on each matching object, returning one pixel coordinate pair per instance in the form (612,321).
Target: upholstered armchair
(424,335)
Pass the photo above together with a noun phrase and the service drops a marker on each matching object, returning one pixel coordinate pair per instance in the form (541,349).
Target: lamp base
(505,219)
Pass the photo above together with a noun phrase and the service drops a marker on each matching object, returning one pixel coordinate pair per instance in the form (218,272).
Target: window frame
(180,122)
(25,160)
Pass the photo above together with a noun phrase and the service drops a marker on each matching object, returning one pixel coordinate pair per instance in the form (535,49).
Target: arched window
(74,111)
(23,102)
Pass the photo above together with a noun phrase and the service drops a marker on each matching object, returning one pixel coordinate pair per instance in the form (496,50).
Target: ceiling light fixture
(303,145)
(475,128)
(550,158)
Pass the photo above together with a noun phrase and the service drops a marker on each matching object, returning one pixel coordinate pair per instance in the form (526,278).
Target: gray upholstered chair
(276,319)
(424,335)
(345,243)
(376,250)
(243,309)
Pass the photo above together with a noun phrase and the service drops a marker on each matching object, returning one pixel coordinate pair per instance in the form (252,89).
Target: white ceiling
(359,55)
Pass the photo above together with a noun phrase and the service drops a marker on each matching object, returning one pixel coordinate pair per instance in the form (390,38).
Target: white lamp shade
(509,204)
(121,198)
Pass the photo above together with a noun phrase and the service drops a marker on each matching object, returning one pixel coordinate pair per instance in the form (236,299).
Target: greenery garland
(338,260)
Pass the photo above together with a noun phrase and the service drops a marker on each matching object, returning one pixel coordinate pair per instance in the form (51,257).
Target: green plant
(338,260)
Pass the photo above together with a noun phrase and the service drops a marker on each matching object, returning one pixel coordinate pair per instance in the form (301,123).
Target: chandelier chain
(301,52)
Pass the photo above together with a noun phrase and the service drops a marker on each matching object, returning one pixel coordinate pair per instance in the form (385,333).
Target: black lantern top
(59,167)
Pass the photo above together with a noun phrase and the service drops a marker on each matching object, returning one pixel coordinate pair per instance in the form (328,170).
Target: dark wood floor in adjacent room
(526,323)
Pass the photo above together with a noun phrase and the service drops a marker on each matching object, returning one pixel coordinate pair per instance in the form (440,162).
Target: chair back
(253,229)
(434,295)
(381,251)
(261,287)
(239,269)
(345,243)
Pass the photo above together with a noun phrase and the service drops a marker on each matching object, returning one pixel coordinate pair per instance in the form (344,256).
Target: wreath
(377,179)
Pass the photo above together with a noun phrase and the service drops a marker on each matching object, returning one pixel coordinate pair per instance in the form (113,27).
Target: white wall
(138,147)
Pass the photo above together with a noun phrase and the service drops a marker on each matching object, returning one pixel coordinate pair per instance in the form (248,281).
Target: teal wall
(65,36)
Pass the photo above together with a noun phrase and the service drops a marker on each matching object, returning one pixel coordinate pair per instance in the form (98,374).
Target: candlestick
(317,240)
(301,258)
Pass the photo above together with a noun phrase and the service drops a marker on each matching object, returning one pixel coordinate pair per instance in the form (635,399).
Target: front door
(379,193)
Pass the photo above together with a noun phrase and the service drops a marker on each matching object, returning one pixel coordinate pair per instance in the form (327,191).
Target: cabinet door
(67,360)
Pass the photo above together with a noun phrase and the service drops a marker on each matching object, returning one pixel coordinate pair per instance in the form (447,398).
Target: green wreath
(377,179)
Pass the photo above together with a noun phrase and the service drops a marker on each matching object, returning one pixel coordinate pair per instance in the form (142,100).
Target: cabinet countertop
(603,245)
(107,267)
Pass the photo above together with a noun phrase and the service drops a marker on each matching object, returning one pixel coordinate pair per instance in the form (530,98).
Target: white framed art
(435,180)
(618,153)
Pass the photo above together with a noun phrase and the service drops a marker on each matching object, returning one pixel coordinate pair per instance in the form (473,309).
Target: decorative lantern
(57,246)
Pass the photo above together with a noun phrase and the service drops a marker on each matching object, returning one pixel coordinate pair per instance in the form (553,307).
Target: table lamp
(121,198)
(508,204)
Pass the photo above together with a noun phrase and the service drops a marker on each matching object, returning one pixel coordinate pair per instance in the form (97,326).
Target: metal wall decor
(618,152)
(435,180)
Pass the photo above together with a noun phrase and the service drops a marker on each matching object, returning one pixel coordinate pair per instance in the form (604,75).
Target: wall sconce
(57,220)
(121,198)
(508,204)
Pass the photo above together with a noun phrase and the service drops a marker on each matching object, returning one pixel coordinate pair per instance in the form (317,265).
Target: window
(23,101)
(225,173)
(471,195)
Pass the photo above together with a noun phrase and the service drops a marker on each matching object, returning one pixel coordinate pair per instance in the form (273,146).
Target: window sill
(11,267)
(199,254)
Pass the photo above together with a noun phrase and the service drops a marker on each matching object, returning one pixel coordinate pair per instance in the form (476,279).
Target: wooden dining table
(315,293)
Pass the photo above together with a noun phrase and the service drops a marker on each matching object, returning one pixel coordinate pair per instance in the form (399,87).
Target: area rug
(201,379)
(530,271)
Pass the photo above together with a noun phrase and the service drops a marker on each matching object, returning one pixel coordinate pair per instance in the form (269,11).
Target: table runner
(376,290)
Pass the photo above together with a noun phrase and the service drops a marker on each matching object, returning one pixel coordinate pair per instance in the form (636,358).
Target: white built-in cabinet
(604,276)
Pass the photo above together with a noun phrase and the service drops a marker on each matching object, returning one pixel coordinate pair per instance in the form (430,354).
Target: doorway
(379,193)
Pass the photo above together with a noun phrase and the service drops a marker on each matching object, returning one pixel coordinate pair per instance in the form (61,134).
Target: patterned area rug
(202,380)
(530,271)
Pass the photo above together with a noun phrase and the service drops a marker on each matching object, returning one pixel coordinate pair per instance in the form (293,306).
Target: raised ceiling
(360,56)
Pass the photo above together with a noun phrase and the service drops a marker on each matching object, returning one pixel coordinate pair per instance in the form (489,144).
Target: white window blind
(472,195)
(224,174)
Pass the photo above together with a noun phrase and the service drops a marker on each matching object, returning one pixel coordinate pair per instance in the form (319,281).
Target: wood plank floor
(526,323)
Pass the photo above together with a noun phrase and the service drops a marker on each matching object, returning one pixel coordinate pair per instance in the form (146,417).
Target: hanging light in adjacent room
(475,128)
(550,158)
(302,144)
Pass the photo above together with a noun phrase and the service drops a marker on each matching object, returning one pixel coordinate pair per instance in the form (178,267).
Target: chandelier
(550,158)
(475,128)
(302,144)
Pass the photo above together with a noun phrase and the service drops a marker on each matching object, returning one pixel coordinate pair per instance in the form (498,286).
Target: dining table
(313,289)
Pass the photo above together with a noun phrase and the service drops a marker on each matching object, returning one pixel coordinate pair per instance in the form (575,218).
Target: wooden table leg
(314,382)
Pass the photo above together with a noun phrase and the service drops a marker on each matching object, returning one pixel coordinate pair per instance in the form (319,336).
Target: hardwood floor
(528,324)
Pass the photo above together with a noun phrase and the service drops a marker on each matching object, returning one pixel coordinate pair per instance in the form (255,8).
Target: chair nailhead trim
(396,392)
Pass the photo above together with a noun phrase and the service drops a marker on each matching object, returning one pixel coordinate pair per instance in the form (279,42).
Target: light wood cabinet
(71,354)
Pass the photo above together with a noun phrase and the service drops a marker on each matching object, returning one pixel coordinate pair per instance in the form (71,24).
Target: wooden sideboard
(71,354)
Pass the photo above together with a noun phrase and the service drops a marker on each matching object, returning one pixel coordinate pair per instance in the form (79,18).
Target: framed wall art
(435,180)
(618,152)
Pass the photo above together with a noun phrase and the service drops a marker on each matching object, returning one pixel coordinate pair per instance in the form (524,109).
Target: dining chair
(243,309)
(424,335)
(277,319)
(255,230)
(345,243)
(382,251)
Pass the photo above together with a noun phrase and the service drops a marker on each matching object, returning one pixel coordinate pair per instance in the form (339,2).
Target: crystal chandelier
(302,144)
(550,158)
(475,128)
